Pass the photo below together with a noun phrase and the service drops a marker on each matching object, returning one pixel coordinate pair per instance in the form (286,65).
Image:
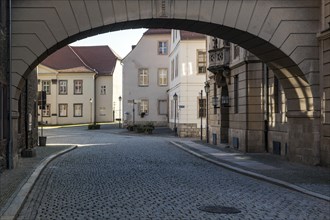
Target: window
(201,61)
(277,96)
(103,90)
(102,111)
(63,87)
(77,110)
(144,106)
(46,111)
(236,51)
(162,77)
(202,107)
(143,77)
(162,48)
(236,94)
(46,86)
(162,107)
(172,69)
(78,87)
(215,94)
(63,110)
(176,65)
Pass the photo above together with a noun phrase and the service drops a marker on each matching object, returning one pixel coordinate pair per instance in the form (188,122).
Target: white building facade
(187,61)
(145,79)
(81,85)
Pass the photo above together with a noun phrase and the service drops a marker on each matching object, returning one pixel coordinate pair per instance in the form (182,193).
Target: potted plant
(149,127)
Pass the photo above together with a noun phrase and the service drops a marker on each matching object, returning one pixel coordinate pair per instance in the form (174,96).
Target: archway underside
(280,33)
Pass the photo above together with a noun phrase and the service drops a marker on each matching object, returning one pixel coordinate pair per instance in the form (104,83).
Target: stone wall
(324,40)
(190,130)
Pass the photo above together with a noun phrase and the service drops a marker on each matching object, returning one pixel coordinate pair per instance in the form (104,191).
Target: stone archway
(281,33)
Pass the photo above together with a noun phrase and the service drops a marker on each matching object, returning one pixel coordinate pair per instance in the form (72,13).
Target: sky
(119,41)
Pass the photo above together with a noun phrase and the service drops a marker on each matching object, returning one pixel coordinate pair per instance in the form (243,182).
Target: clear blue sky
(119,41)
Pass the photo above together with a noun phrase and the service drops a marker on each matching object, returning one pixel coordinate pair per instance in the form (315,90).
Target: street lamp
(175,98)
(91,101)
(119,98)
(207,91)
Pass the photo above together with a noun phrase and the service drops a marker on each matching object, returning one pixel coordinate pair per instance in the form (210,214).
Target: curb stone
(256,175)
(15,205)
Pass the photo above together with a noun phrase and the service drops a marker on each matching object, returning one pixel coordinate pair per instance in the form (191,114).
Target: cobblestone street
(116,176)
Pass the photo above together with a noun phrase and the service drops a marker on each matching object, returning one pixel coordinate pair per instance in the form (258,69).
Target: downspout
(9,100)
(247,103)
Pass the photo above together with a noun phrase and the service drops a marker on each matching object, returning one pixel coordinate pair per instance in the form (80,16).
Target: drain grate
(219,209)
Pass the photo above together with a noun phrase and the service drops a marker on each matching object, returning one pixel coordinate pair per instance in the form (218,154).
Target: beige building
(187,76)
(145,79)
(247,105)
(83,85)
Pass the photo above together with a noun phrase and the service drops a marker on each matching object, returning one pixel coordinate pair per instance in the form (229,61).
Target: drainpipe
(9,100)
(247,103)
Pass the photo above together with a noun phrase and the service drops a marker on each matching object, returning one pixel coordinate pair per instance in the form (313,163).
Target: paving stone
(115,176)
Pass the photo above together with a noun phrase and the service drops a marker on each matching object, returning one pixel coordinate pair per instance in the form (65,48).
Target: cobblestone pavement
(144,177)
(12,180)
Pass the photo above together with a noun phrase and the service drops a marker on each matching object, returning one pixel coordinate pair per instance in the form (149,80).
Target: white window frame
(162,76)
(46,112)
(46,86)
(63,87)
(60,110)
(75,110)
(162,47)
(201,61)
(144,106)
(103,90)
(160,107)
(78,87)
(143,77)
(176,65)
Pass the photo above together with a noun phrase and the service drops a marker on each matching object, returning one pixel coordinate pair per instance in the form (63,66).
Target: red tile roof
(187,35)
(99,59)
(157,31)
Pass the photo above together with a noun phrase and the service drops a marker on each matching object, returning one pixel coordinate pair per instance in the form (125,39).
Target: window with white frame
(177,65)
(201,61)
(162,48)
(46,112)
(63,87)
(103,90)
(172,69)
(63,110)
(144,106)
(162,107)
(102,111)
(78,110)
(46,86)
(78,87)
(162,76)
(143,77)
